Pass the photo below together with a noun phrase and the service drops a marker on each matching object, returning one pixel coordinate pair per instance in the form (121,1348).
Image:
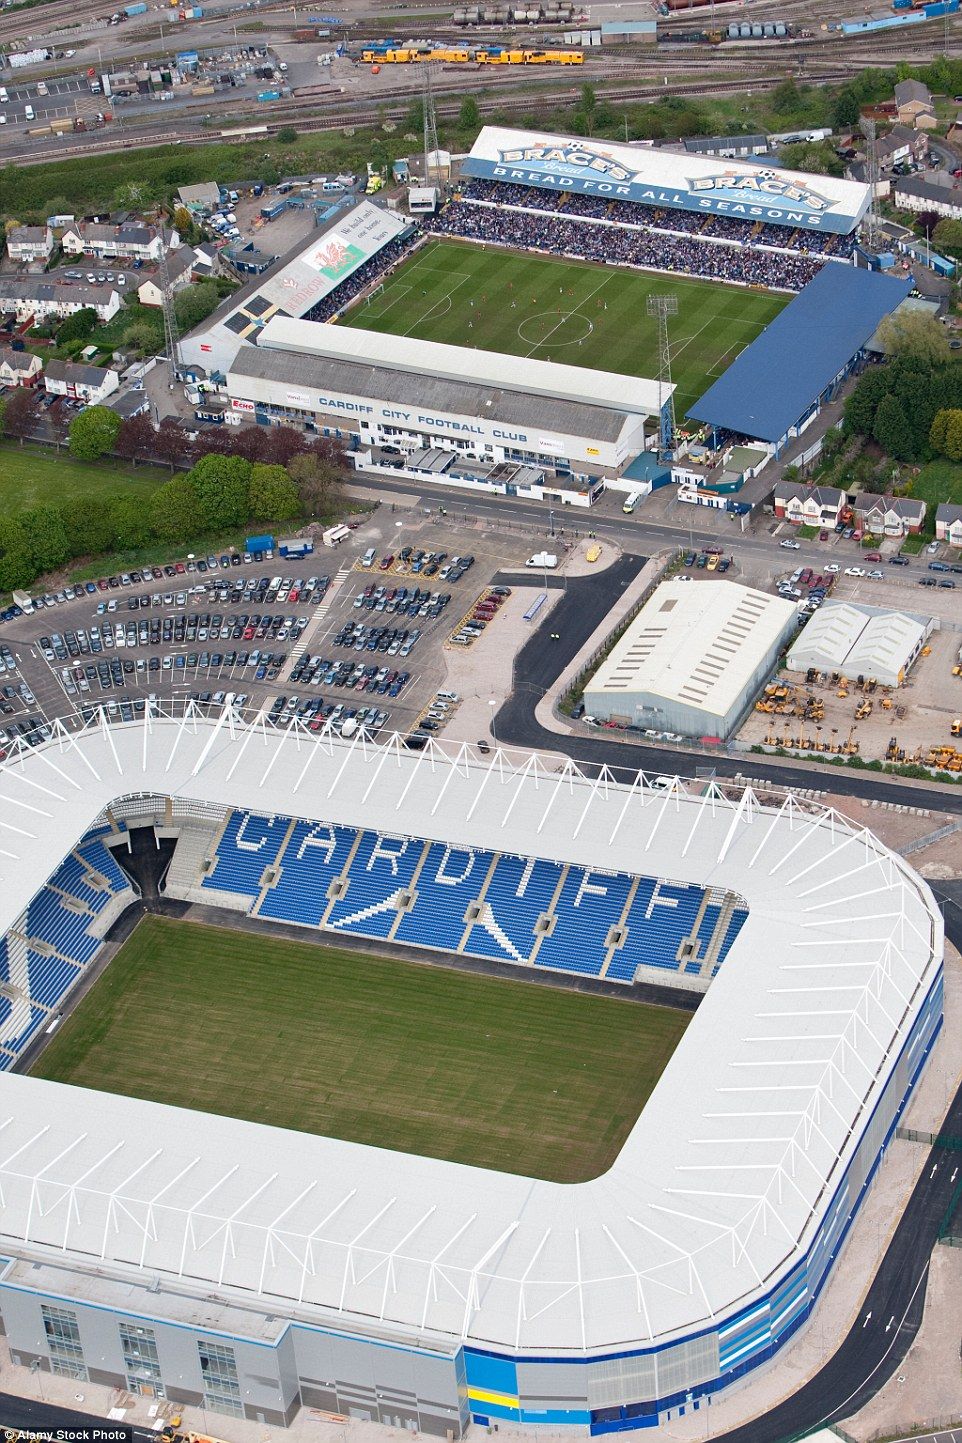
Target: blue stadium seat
(50,978)
(383,866)
(590,904)
(661,916)
(735,924)
(447,884)
(248,845)
(102,859)
(50,921)
(519,892)
(315,855)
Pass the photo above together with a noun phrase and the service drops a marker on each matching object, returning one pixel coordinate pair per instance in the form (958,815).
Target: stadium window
(63,1340)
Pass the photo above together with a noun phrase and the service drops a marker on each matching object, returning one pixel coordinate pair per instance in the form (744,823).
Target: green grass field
(569,311)
(496,1073)
(37,475)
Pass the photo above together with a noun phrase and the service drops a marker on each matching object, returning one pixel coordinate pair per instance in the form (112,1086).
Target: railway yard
(329,74)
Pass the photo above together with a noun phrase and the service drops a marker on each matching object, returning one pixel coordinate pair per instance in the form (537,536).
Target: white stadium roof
(455,363)
(725,1178)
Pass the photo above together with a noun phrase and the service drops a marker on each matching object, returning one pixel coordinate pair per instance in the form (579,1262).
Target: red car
(873,556)
(386,562)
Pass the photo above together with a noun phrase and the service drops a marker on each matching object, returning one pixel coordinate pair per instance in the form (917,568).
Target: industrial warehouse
(692,659)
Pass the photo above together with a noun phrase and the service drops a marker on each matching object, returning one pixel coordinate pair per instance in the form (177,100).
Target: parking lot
(326,641)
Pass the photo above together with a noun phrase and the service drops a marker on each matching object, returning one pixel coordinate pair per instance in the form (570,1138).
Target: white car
(833,568)
(932,547)
(855,571)
(791,545)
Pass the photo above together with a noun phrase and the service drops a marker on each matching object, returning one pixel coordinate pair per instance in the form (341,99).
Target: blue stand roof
(778,377)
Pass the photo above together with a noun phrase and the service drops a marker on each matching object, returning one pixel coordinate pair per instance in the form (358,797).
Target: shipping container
(268,95)
(296,547)
(257,545)
(140,9)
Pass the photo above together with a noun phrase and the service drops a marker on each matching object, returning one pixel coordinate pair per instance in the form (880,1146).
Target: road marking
(867,1317)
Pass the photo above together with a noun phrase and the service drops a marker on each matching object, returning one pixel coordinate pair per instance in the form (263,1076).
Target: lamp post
(492,704)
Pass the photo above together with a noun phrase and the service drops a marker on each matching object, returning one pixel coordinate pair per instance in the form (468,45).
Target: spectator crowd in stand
(372,270)
(562,233)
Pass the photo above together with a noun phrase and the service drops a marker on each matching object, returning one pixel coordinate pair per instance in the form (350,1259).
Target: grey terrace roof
(569,418)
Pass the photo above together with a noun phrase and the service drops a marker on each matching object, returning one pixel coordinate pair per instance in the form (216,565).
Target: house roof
(30,288)
(908,90)
(76,374)
(799,491)
(775,380)
(941,193)
(908,507)
(947,513)
(28,235)
(18,360)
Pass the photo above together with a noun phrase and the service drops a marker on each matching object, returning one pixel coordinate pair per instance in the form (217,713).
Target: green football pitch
(569,311)
(497,1073)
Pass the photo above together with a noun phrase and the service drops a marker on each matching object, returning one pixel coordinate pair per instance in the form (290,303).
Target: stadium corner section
(434,1293)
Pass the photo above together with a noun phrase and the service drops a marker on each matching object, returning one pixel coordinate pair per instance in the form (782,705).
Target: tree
(469,116)
(46,533)
(89,527)
(588,99)
(947,236)
(317,480)
(93,433)
(862,404)
(287,135)
(785,98)
(221,484)
(20,414)
(194,304)
(845,111)
(916,335)
(892,430)
(953,436)
(939,431)
(136,437)
(77,327)
(129,522)
(170,443)
(175,511)
(282,444)
(184,223)
(16,563)
(273,495)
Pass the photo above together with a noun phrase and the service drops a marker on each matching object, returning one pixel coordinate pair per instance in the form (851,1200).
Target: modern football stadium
(252,1269)
(429,343)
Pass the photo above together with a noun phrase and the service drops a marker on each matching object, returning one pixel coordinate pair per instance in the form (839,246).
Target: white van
(29,113)
(451,696)
(4,97)
(634,500)
(368,558)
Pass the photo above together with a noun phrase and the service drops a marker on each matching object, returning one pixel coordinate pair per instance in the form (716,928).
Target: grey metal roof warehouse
(779,377)
(319,374)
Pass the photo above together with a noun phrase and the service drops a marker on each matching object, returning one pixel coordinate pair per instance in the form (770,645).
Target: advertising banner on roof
(669,180)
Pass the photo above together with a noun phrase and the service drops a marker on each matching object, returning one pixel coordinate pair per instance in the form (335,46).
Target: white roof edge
(477,367)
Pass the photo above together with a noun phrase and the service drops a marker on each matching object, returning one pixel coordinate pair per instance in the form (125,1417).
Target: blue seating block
(520,890)
(382,867)
(447,884)
(315,855)
(248,845)
(590,904)
(661,915)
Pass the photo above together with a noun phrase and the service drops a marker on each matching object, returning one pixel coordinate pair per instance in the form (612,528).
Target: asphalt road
(581,610)
(34,1416)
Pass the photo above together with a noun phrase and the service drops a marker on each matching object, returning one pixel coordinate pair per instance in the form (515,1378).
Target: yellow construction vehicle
(957,727)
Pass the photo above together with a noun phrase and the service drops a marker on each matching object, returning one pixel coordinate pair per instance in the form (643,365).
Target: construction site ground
(920,716)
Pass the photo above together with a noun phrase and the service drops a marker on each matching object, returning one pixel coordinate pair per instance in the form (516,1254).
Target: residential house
(180,269)
(900,145)
(205,261)
(808,505)
(948,523)
(44,299)
(914,105)
(889,515)
(130,241)
(201,197)
(936,191)
(30,243)
(18,368)
(92,384)
(129,404)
